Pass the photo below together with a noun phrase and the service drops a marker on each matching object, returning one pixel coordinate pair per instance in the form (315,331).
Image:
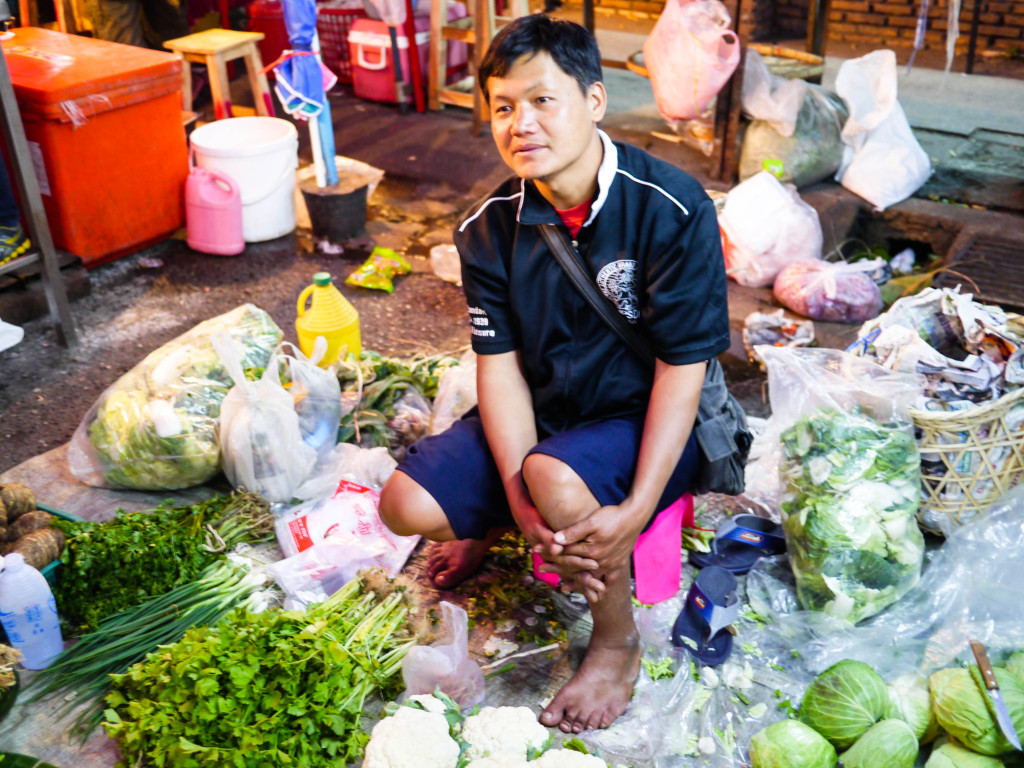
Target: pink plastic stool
(657,557)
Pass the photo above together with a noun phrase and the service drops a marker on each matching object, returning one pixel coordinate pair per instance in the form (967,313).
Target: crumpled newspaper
(970,353)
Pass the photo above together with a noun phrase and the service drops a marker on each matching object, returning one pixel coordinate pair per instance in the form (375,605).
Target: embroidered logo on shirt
(617,281)
(480,322)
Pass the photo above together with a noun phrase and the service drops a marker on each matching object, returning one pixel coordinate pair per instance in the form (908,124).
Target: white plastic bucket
(261,155)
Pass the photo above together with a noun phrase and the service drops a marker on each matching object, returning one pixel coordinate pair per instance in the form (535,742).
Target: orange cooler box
(103,121)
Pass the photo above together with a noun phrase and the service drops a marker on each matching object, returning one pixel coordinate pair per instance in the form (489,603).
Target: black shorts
(457,469)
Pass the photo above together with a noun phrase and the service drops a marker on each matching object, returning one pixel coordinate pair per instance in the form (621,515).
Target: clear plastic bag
(446,664)
(690,54)
(456,394)
(314,390)
(770,98)
(970,587)
(261,444)
(765,226)
(410,423)
(837,292)
(703,716)
(811,152)
(838,459)
(155,427)
(366,466)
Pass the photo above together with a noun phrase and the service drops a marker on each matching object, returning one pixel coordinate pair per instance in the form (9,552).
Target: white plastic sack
(260,440)
(766,226)
(882,161)
(690,54)
(446,664)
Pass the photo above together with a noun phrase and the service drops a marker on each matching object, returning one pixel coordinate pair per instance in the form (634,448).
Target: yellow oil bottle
(329,315)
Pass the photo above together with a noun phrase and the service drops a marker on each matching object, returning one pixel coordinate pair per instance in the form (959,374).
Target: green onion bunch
(128,637)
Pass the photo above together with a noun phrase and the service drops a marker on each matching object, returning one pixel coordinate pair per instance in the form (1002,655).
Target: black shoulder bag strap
(578,276)
(721,425)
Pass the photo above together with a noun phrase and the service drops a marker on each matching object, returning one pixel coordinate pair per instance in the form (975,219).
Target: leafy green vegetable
(109,567)
(844,701)
(910,702)
(377,383)
(658,670)
(953,755)
(155,427)
(128,637)
(964,711)
(280,688)
(790,744)
(889,742)
(1015,666)
(576,745)
(852,492)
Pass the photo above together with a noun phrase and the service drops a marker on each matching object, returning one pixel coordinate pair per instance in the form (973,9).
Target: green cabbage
(155,428)
(1015,666)
(790,744)
(852,488)
(953,755)
(888,743)
(844,701)
(910,702)
(963,709)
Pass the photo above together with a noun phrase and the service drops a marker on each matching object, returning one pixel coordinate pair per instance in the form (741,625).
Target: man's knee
(408,510)
(556,489)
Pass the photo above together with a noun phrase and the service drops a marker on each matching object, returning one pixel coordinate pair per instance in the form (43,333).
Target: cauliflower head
(429,702)
(411,738)
(567,758)
(497,730)
(503,760)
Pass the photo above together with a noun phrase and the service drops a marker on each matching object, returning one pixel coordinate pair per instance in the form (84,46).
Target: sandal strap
(717,617)
(733,530)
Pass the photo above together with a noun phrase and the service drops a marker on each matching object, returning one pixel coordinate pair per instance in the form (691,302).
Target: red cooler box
(373,73)
(103,122)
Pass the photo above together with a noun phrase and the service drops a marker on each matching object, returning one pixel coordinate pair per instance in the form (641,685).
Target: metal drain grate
(996,266)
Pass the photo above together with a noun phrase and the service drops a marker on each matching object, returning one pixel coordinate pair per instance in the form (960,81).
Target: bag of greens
(840,443)
(155,427)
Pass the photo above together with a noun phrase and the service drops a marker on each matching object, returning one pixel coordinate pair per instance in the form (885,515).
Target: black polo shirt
(653,246)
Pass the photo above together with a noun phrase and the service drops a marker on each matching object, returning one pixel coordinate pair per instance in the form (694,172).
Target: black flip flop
(740,542)
(711,606)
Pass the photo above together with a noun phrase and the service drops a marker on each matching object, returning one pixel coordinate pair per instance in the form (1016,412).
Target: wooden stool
(476,30)
(215,48)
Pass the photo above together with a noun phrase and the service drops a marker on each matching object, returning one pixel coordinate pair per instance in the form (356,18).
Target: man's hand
(606,538)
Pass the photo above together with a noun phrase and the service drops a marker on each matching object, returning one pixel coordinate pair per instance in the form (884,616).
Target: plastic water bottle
(28,613)
(329,315)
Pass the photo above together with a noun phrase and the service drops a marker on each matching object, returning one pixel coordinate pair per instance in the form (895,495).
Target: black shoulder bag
(723,436)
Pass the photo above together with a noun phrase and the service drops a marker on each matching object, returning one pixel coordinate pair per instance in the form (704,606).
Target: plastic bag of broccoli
(840,443)
(155,427)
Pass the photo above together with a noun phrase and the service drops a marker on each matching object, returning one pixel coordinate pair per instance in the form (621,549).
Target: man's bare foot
(599,691)
(452,562)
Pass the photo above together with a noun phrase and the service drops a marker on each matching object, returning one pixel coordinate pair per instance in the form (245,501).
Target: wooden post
(728,103)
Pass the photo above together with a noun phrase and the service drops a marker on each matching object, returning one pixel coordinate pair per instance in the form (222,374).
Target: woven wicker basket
(791,64)
(968,459)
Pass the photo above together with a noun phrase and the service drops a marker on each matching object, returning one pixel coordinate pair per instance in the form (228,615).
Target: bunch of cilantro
(265,690)
(109,567)
(852,489)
